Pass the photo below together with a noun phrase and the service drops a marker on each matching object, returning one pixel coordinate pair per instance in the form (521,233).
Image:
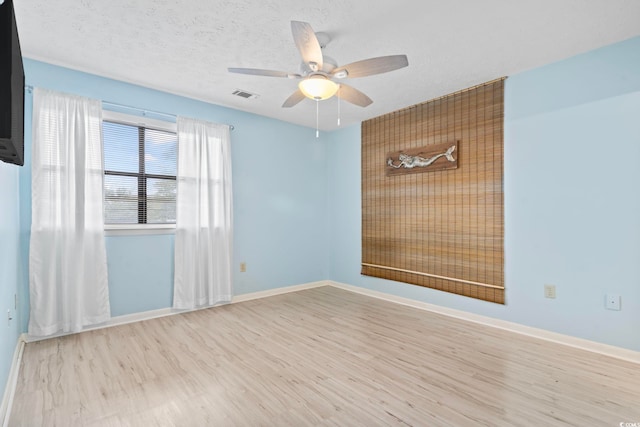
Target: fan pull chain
(339,87)
(317,121)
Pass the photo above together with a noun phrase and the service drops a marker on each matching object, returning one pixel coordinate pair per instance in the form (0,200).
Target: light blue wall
(279,203)
(140,272)
(572,205)
(572,210)
(10,276)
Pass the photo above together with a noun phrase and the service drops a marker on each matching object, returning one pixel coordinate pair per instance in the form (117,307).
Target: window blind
(140,166)
(441,229)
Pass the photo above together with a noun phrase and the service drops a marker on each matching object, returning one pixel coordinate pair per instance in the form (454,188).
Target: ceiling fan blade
(369,67)
(259,72)
(353,96)
(295,97)
(307,43)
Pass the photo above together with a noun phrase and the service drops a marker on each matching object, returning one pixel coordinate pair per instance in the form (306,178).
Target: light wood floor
(318,357)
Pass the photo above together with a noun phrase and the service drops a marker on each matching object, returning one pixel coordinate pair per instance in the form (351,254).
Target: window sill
(138,229)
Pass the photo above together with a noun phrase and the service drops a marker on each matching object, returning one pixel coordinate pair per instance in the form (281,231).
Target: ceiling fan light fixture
(318,88)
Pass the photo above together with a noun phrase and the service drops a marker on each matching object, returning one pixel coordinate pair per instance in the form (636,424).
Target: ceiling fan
(318,71)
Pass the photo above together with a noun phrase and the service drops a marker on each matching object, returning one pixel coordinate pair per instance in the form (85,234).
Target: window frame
(148,123)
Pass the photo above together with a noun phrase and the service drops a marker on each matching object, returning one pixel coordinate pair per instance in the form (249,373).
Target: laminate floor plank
(319,357)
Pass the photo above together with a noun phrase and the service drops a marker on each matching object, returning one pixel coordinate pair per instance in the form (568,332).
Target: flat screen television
(11,88)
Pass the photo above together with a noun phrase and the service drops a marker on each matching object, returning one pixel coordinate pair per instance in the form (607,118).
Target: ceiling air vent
(244,94)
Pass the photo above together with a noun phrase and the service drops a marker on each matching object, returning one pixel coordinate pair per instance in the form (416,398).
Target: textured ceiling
(185,46)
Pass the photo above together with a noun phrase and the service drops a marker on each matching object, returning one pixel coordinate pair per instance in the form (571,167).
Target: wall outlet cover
(613,302)
(549,291)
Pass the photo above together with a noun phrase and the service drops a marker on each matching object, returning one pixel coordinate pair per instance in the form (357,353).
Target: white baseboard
(12,382)
(162,312)
(595,347)
(605,349)
(278,291)
(114,321)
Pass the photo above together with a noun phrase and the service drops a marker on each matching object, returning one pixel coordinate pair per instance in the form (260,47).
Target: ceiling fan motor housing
(328,65)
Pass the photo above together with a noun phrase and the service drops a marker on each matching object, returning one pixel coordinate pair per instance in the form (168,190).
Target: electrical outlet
(549,291)
(613,302)
(243,267)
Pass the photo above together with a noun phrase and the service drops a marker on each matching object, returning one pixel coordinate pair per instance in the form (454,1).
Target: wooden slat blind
(441,229)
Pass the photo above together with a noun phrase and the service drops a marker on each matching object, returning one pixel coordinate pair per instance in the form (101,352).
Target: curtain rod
(142,110)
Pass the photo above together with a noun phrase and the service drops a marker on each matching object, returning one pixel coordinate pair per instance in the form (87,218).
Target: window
(140,163)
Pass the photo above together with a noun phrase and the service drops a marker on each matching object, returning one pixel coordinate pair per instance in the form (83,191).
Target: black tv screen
(11,88)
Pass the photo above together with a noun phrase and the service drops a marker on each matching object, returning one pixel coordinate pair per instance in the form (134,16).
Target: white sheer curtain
(67,259)
(204,232)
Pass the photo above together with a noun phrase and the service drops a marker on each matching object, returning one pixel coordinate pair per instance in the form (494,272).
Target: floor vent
(244,94)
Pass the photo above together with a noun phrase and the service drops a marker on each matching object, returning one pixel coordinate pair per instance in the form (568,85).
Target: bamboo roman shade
(439,228)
